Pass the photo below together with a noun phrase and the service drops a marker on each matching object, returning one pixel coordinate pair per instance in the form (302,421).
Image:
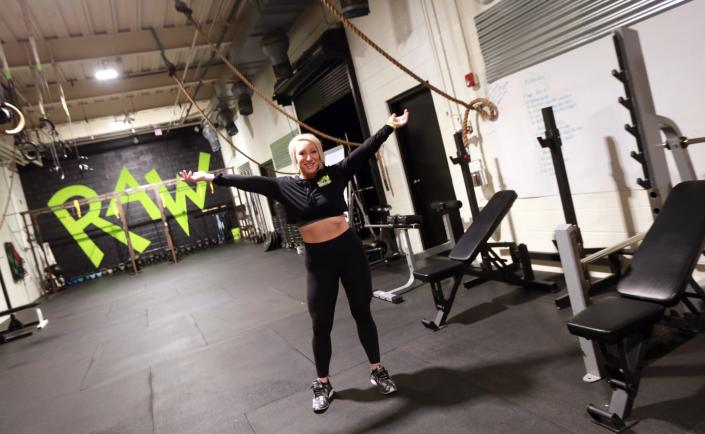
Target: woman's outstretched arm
(256,184)
(369,147)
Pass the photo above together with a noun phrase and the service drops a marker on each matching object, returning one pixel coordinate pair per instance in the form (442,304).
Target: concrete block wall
(166,155)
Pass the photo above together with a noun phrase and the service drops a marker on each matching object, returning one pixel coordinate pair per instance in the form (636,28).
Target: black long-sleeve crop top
(307,200)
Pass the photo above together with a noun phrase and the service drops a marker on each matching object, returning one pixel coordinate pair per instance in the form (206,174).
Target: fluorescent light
(106,74)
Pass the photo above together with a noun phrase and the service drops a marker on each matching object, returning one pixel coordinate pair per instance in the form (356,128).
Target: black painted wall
(166,154)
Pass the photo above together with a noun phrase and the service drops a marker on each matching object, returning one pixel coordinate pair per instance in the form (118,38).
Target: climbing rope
(181,7)
(172,73)
(486,108)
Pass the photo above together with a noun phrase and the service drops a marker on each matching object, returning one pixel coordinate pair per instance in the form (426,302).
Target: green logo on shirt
(325,180)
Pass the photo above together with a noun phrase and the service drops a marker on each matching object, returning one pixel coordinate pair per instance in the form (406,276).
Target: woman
(314,201)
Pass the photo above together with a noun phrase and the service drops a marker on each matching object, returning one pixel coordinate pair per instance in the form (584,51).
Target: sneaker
(380,378)
(322,395)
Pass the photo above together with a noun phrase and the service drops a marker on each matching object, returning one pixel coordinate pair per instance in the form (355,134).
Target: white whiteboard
(583,93)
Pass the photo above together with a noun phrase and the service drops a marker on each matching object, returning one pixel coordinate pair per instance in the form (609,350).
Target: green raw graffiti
(125,181)
(177,204)
(77,227)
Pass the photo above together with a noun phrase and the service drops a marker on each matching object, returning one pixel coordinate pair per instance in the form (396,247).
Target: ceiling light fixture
(106,74)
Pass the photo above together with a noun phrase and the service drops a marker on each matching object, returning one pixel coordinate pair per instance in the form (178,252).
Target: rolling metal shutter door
(329,87)
(516,34)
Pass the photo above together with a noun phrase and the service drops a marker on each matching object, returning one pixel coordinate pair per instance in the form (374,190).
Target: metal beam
(85,90)
(86,48)
(117,105)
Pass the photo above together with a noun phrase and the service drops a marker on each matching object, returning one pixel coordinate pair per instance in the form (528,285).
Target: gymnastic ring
(20,124)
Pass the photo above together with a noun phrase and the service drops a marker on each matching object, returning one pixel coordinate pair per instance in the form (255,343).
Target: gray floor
(220,343)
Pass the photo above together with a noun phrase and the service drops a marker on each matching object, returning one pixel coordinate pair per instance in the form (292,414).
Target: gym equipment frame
(646,128)
(395,295)
(659,276)
(553,142)
(493,267)
(472,244)
(16,329)
(647,125)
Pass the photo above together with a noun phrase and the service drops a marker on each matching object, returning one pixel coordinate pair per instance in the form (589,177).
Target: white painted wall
(437,40)
(415,42)
(605,218)
(12,230)
(110,124)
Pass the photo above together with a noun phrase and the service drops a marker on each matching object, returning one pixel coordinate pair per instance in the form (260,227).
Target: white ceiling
(74,38)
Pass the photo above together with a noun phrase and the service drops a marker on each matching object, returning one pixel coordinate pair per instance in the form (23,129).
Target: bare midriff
(324,229)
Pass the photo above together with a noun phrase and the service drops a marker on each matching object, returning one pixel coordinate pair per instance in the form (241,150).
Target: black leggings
(344,259)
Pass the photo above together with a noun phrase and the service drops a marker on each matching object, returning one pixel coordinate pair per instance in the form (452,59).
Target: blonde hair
(307,137)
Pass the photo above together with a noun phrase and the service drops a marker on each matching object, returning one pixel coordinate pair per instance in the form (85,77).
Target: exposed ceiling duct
(256,19)
(243,95)
(226,119)
(354,8)
(276,46)
(323,55)
(74,39)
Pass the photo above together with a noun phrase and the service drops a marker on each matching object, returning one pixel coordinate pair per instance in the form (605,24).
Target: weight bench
(657,278)
(17,329)
(466,249)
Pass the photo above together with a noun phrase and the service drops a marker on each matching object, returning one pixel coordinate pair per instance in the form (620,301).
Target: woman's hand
(395,121)
(194,177)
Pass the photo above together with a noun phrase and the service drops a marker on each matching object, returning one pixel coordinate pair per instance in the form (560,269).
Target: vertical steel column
(123,220)
(463,160)
(40,242)
(567,242)
(8,303)
(645,123)
(554,143)
(34,255)
(165,224)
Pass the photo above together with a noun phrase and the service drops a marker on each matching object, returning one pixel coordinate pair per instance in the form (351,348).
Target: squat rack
(646,127)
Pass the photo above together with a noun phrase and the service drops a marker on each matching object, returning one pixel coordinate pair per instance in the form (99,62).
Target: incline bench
(657,279)
(472,243)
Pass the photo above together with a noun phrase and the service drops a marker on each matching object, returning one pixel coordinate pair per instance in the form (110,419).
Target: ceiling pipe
(228,23)
(243,95)
(226,119)
(204,11)
(354,8)
(276,45)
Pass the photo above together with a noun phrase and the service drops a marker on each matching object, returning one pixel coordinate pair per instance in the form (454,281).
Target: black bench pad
(611,319)
(664,262)
(438,270)
(482,227)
